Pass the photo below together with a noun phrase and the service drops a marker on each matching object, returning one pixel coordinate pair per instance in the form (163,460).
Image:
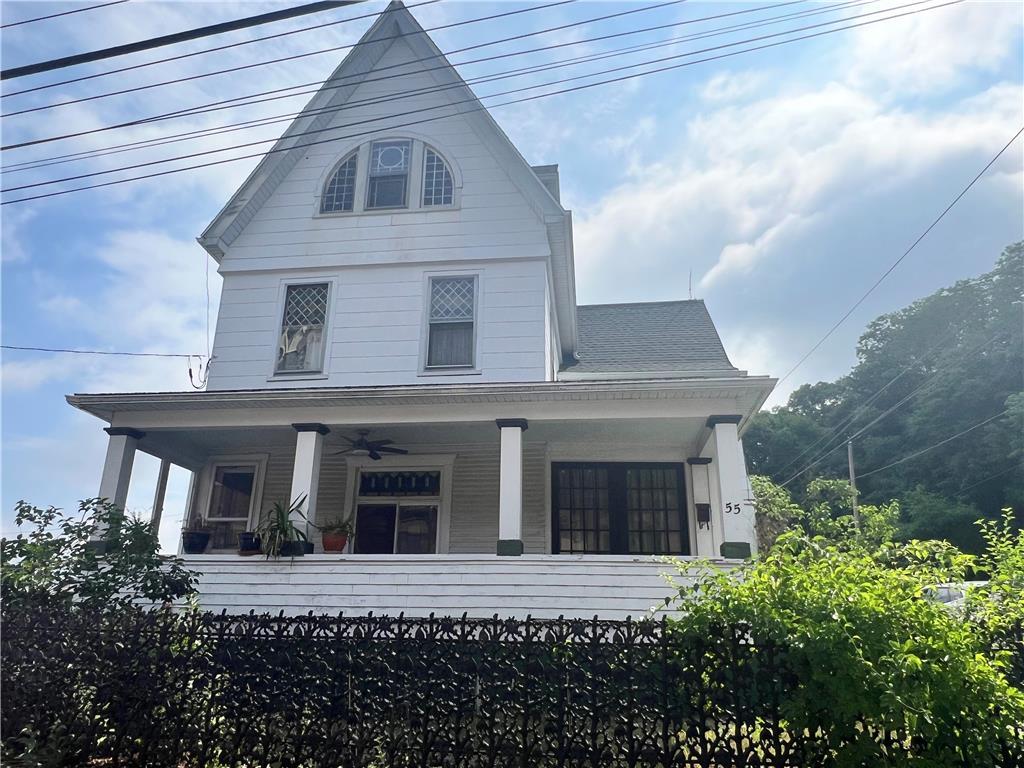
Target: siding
(376,326)
(543,586)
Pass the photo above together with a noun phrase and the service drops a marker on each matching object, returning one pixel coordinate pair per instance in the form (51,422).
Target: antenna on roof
(691,283)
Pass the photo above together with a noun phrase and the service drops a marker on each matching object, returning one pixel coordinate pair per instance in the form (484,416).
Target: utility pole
(853,481)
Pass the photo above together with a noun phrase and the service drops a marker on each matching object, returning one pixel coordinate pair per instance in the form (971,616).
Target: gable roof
(394,23)
(664,336)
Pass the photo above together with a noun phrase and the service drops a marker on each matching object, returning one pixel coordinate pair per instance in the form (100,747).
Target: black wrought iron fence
(159,689)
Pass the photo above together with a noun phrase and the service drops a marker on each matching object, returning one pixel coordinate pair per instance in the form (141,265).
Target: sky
(778,183)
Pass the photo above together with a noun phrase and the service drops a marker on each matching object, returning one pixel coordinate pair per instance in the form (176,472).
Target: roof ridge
(641,303)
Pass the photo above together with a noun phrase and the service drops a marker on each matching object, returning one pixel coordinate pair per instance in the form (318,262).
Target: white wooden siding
(491,218)
(543,586)
(377,326)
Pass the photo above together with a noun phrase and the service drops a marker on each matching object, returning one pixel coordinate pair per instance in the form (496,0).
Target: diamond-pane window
(438,188)
(340,192)
(300,347)
(451,334)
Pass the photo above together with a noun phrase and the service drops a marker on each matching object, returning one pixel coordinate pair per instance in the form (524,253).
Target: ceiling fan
(361,446)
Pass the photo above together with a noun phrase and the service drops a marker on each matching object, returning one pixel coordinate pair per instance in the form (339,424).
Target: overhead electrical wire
(94,352)
(904,255)
(225,47)
(272,119)
(923,451)
(585,86)
(62,13)
(469,100)
(173,38)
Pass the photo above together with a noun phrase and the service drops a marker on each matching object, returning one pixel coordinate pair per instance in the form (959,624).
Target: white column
(159,494)
(703,507)
(730,471)
(309,445)
(510,487)
(117,467)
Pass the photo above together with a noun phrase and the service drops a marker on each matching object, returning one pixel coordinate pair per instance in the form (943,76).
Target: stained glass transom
(340,193)
(451,298)
(438,188)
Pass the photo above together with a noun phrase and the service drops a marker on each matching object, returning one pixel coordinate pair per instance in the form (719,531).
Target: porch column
(739,537)
(117,467)
(159,494)
(309,445)
(703,507)
(510,487)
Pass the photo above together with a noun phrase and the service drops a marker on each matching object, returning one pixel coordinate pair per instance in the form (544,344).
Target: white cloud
(731,86)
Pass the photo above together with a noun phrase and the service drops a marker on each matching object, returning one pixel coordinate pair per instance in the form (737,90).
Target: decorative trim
(698,460)
(509,548)
(730,419)
(125,432)
(311,427)
(523,424)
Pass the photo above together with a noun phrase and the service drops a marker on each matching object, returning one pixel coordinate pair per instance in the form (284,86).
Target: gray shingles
(652,336)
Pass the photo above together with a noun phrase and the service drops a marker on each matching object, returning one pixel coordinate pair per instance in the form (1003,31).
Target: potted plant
(195,537)
(336,534)
(279,536)
(249,543)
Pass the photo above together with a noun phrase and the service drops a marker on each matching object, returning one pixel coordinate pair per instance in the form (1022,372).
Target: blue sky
(785,180)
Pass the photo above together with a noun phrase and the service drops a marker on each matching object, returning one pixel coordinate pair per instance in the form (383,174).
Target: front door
(618,508)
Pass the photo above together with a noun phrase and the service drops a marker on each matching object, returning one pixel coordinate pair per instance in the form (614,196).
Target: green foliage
(999,603)
(870,651)
(337,525)
(59,560)
(277,527)
(956,358)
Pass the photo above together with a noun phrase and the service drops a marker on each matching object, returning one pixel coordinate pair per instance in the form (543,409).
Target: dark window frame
(618,512)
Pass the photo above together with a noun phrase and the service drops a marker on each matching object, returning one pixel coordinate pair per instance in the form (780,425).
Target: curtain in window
(300,346)
(452,312)
(450,344)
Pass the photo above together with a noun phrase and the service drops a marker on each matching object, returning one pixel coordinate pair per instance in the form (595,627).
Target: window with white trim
(231,501)
(300,346)
(451,332)
(340,192)
(388,178)
(438,187)
(397,512)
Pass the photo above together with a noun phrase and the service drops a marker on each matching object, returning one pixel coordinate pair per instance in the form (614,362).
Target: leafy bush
(59,559)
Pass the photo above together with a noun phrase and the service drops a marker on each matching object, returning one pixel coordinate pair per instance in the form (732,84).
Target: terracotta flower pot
(335,542)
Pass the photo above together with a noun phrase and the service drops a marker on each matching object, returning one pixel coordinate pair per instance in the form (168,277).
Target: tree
(924,373)
(57,560)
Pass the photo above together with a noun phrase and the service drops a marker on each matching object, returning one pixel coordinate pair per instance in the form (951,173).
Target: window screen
(300,347)
(452,315)
(340,192)
(388,179)
(438,188)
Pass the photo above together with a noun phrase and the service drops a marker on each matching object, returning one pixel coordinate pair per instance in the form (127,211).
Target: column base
(510,547)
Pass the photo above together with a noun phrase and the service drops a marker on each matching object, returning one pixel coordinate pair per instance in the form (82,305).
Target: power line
(533,69)
(176,37)
(293,57)
(906,253)
(933,447)
(339,82)
(62,13)
(525,99)
(455,104)
(250,41)
(986,479)
(94,352)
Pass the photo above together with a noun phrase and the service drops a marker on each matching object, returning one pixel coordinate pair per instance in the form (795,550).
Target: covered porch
(549,499)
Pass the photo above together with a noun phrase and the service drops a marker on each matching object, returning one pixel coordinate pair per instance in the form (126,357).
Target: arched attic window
(438,187)
(340,192)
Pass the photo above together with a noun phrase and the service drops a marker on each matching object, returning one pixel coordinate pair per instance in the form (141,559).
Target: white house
(408,278)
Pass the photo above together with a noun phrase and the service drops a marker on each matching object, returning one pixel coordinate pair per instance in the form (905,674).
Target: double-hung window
(388,179)
(451,328)
(230,503)
(300,346)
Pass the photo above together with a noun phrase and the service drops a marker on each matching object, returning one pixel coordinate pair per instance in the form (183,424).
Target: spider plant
(278,533)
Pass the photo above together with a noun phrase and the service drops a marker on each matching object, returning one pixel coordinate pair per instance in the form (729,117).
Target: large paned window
(618,508)
(300,347)
(230,503)
(388,180)
(438,188)
(451,332)
(396,513)
(340,192)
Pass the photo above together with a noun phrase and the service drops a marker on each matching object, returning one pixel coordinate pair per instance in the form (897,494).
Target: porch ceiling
(192,446)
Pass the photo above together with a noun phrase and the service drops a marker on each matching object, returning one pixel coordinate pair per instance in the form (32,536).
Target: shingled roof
(650,336)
